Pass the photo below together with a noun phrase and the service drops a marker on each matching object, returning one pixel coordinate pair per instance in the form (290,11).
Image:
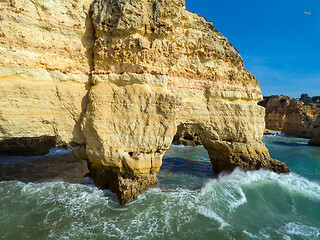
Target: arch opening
(186,162)
(185,167)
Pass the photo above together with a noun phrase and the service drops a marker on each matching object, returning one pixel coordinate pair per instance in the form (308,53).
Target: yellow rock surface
(44,49)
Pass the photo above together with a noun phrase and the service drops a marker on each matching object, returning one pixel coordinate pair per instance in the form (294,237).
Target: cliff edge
(115,79)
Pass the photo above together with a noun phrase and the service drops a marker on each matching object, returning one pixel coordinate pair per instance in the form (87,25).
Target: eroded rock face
(115,83)
(292,117)
(185,136)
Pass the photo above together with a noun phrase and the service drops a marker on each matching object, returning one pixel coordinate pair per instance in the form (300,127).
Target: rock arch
(158,65)
(123,84)
(129,127)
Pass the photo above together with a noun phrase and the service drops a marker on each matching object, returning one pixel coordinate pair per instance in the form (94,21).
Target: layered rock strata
(45,49)
(114,82)
(292,117)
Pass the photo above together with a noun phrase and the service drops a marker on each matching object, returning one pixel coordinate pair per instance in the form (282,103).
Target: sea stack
(114,79)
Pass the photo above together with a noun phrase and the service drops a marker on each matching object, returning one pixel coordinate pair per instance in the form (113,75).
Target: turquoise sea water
(189,203)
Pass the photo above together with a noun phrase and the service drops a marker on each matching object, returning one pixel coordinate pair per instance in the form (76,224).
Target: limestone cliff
(292,117)
(116,80)
(45,49)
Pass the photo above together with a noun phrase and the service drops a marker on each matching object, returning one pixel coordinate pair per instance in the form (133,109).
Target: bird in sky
(307,13)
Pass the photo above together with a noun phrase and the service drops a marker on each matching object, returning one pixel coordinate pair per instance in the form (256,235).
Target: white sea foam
(235,202)
(291,181)
(249,234)
(202,158)
(211,214)
(289,231)
(301,230)
(184,146)
(58,151)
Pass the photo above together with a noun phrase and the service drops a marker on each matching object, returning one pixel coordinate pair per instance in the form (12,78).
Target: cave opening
(38,159)
(27,146)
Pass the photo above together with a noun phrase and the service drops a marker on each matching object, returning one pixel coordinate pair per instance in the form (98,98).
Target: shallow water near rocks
(189,203)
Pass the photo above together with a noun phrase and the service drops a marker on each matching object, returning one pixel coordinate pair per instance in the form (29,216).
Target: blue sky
(279,44)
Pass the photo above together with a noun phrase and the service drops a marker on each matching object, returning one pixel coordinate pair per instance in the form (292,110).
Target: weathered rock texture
(292,117)
(115,81)
(185,136)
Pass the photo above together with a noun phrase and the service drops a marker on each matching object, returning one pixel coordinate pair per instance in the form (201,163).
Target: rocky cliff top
(163,38)
(288,105)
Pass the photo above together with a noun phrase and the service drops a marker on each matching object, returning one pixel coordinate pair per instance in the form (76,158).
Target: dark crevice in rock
(27,146)
(78,144)
(88,40)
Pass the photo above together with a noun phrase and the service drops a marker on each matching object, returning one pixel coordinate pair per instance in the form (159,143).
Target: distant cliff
(292,117)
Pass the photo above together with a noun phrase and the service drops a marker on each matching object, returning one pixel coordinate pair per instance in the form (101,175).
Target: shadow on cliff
(78,140)
(88,40)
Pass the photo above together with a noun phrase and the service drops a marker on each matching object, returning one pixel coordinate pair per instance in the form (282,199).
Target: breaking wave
(241,205)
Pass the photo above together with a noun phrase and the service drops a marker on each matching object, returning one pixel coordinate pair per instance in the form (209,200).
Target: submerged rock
(115,81)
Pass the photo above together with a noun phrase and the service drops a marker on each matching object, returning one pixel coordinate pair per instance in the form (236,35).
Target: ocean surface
(45,198)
